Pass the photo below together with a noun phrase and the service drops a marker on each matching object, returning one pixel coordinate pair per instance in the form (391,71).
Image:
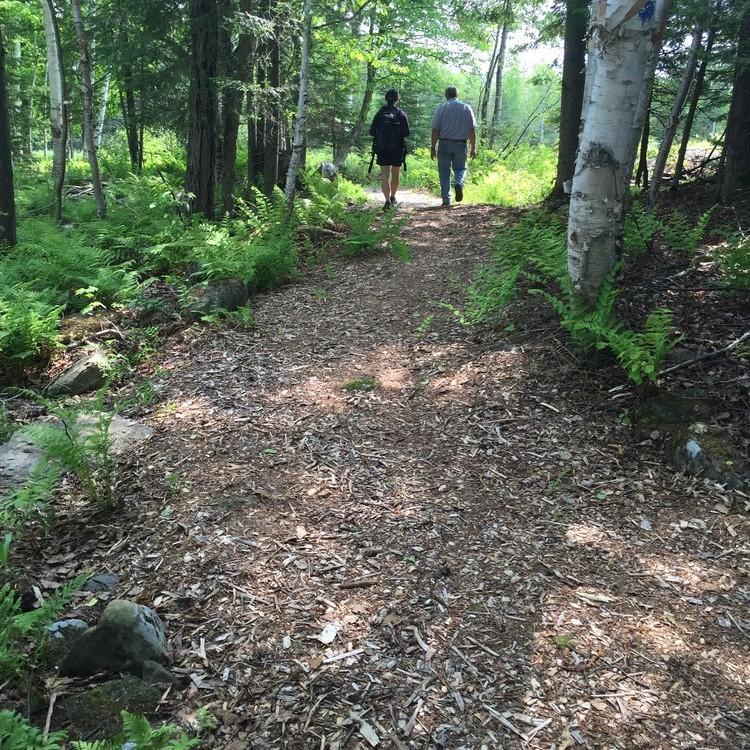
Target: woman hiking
(389,129)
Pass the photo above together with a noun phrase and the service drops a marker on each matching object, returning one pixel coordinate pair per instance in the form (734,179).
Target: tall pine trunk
(571,100)
(670,129)
(298,142)
(700,78)
(233,97)
(57,102)
(7,194)
(350,139)
(499,71)
(87,92)
(736,171)
(201,157)
(624,42)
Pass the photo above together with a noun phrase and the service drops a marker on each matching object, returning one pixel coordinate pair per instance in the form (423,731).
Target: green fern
(532,254)
(17,734)
(81,443)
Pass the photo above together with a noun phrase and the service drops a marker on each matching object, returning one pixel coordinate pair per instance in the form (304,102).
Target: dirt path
(471,555)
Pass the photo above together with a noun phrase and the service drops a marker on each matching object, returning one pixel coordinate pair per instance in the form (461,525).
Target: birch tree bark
(57,103)
(298,143)
(670,128)
(102,114)
(7,195)
(625,36)
(87,92)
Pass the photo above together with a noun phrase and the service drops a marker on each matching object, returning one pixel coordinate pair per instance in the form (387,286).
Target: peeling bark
(623,45)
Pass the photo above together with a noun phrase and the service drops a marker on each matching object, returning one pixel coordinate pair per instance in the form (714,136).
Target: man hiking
(453,126)
(389,129)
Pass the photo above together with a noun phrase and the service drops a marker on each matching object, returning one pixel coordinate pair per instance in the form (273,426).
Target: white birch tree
(87,91)
(57,103)
(298,142)
(624,40)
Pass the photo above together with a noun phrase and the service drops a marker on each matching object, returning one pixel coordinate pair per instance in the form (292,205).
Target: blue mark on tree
(647,12)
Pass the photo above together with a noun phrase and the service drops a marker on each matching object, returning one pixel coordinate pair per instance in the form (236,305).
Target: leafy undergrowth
(88,265)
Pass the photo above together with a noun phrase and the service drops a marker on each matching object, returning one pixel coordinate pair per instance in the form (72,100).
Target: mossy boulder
(709,455)
(667,412)
(127,636)
(96,713)
(221,294)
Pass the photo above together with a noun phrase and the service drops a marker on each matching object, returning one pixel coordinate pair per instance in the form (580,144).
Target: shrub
(533,251)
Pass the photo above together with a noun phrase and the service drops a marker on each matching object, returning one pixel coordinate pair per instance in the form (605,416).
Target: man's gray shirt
(454,120)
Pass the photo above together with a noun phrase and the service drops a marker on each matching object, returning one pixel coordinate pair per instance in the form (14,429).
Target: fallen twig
(708,355)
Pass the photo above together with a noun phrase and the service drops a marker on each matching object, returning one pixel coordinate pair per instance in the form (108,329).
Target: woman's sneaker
(394,202)
(387,206)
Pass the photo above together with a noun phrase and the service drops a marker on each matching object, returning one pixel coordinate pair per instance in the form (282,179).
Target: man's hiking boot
(446,204)
(459,193)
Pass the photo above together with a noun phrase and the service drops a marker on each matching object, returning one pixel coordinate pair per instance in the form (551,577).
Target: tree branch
(708,355)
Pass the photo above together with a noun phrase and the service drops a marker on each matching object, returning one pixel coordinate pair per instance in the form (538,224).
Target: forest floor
(365,526)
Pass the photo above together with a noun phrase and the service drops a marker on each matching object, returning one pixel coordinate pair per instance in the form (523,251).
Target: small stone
(84,376)
(97,584)
(64,630)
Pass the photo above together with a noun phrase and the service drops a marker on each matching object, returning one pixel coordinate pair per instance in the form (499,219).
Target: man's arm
(435,139)
(473,142)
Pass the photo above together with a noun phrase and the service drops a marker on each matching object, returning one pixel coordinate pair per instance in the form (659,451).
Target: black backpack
(388,138)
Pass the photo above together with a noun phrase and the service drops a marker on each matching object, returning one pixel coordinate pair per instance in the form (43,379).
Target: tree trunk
(201,158)
(484,101)
(641,177)
(670,129)
(272,135)
(231,111)
(102,115)
(736,173)
(57,102)
(87,91)
(7,194)
(624,41)
(697,92)
(571,101)
(351,138)
(499,70)
(298,145)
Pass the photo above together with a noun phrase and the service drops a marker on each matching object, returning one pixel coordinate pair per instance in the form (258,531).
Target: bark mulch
(365,525)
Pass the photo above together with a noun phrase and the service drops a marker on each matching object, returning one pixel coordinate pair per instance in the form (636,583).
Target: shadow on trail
(461,557)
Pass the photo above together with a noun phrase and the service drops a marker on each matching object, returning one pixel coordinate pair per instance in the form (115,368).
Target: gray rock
(221,294)
(708,455)
(20,454)
(18,457)
(84,376)
(127,636)
(64,630)
(99,583)
(328,170)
